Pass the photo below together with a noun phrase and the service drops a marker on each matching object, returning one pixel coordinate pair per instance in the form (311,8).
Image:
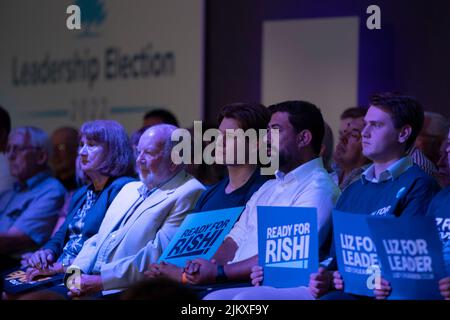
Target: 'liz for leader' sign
(200,235)
(411,254)
(287,245)
(356,253)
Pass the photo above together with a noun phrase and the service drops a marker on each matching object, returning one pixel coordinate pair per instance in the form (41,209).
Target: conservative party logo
(93,15)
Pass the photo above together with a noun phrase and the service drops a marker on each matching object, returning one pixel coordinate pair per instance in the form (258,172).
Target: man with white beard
(141,220)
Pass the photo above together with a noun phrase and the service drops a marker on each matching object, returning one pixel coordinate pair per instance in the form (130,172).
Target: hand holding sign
(411,254)
(200,235)
(384,291)
(338,281)
(444,288)
(257,275)
(320,282)
(287,245)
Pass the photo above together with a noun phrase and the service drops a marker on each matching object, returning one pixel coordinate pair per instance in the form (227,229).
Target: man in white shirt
(6,179)
(300,181)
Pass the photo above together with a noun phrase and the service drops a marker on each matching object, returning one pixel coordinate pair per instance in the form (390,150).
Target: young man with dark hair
(393,185)
(158,116)
(440,209)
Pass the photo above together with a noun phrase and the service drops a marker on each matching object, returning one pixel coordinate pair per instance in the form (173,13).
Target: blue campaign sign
(355,252)
(411,255)
(200,235)
(287,245)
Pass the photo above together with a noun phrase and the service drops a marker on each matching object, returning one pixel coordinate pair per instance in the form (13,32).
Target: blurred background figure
(65,145)
(349,161)
(326,151)
(6,179)
(29,211)
(159,116)
(433,133)
(443,176)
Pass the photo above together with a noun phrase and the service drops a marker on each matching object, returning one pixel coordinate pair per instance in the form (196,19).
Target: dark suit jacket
(94,216)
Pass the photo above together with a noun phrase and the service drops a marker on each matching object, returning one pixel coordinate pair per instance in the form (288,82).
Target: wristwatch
(221,276)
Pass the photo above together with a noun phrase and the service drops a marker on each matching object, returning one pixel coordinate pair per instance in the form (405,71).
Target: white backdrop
(314,60)
(129,57)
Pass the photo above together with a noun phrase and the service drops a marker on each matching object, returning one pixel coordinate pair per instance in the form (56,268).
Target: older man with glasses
(29,210)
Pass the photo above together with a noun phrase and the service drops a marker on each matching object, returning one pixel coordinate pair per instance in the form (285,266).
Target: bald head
(154,163)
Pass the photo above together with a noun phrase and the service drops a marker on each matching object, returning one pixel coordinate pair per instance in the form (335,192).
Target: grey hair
(119,159)
(36,137)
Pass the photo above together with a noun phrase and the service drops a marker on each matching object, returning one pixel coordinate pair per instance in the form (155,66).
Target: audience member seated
(439,208)
(348,157)
(6,179)
(433,133)
(242,181)
(28,212)
(393,185)
(158,116)
(65,144)
(141,220)
(443,165)
(326,150)
(81,180)
(301,181)
(105,159)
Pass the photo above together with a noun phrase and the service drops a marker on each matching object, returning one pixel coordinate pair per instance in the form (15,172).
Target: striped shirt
(423,162)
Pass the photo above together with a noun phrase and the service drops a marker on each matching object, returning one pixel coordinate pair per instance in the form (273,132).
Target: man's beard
(284,159)
(147,180)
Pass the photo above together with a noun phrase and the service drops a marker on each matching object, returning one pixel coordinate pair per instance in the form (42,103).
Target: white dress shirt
(308,185)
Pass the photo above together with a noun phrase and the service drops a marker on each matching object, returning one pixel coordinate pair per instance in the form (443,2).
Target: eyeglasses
(60,147)
(18,149)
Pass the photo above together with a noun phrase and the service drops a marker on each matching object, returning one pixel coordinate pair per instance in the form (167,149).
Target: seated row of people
(116,229)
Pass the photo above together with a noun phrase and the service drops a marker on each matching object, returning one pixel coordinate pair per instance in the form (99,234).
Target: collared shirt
(422,161)
(354,175)
(110,241)
(32,207)
(309,185)
(391,173)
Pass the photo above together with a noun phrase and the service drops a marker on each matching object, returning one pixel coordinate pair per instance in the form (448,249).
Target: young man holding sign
(393,186)
(439,208)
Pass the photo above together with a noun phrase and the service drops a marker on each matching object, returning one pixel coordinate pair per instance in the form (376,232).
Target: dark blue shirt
(32,207)
(408,194)
(402,190)
(215,198)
